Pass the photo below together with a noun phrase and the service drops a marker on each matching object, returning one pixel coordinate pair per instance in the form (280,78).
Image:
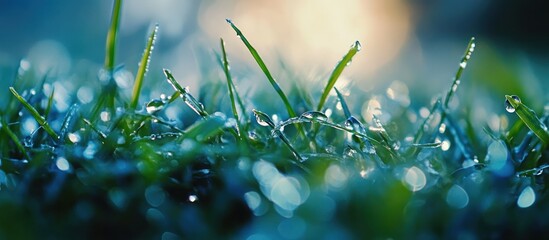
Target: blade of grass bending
(529,117)
(185,95)
(264,120)
(337,72)
(462,65)
(11,134)
(110,49)
(343,104)
(264,68)
(143,68)
(232,91)
(41,121)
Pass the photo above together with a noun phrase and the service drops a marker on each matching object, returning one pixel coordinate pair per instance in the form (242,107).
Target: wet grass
(129,166)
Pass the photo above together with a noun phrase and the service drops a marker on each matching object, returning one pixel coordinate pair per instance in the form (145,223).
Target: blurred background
(418,42)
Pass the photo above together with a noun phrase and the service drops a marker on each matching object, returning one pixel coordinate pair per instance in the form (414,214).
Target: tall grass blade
(110,49)
(529,117)
(346,60)
(264,68)
(462,65)
(41,120)
(143,68)
(232,90)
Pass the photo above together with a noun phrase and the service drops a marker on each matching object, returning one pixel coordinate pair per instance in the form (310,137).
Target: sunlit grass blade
(346,60)
(40,119)
(265,70)
(143,68)
(194,104)
(4,126)
(457,78)
(343,104)
(528,116)
(230,84)
(110,49)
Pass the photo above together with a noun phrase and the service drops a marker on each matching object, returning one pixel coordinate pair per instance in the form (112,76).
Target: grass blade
(143,67)
(337,72)
(50,103)
(35,114)
(265,70)
(194,104)
(11,134)
(264,120)
(457,78)
(343,104)
(110,49)
(232,90)
(528,116)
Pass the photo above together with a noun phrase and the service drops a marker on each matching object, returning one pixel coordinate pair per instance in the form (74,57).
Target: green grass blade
(111,36)
(264,120)
(194,104)
(343,104)
(4,126)
(264,68)
(462,65)
(232,91)
(101,135)
(35,114)
(529,117)
(143,68)
(337,72)
(50,103)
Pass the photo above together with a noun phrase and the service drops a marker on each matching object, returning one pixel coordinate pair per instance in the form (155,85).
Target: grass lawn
(298,162)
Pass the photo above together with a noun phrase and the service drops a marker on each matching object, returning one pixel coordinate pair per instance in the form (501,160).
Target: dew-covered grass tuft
(103,160)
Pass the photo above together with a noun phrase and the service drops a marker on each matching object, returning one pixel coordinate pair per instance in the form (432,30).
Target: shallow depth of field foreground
(250,120)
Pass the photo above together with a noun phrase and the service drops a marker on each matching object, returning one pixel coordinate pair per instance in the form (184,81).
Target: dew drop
(463,64)
(155,105)
(314,115)
(357,46)
(105,116)
(508,106)
(353,124)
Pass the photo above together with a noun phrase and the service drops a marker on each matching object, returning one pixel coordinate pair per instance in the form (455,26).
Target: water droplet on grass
(463,64)
(526,198)
(508,106)
(105,116)
(314,115)
(155,105)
